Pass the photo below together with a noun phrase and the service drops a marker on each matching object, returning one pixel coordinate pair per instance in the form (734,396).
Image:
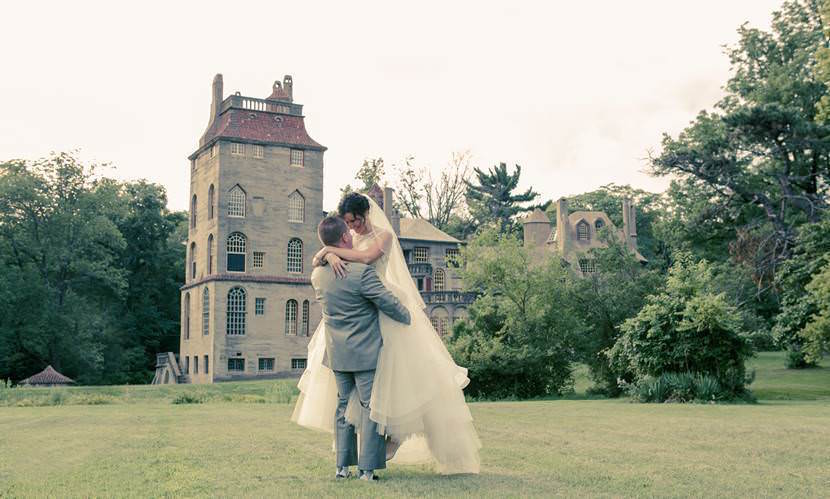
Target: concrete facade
(254,156)
(577,233)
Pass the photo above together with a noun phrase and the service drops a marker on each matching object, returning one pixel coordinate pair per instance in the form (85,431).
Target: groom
(350,309)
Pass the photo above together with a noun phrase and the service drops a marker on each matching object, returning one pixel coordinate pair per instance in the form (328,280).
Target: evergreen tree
(491,198)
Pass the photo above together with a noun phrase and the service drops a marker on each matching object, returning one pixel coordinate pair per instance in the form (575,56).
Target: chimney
(561,224)
(627,222)
(288,86)
(216,100)
(632,225)
(389,209)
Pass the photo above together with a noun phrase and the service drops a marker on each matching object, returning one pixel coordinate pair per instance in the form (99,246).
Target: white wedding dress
(417,395)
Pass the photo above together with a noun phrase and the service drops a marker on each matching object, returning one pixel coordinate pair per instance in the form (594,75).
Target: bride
(417,398)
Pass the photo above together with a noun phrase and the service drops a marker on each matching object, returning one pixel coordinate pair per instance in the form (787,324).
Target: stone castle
(578,232)
(256,183)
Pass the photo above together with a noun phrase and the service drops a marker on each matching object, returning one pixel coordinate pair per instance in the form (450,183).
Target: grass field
(239,442)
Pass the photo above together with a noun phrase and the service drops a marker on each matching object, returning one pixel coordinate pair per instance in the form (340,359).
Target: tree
(688,328)
(440,201)
(519,340)
(60,250)
(605,299)
(757,166)
(816,333)
(371,172)
(152,260)
(491,198)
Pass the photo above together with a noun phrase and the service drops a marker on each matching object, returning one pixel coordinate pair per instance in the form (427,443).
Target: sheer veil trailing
(397,271)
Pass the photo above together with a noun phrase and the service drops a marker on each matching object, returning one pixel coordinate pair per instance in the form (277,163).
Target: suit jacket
(350,310)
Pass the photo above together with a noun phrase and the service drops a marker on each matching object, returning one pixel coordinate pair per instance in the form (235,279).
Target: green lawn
(240,443)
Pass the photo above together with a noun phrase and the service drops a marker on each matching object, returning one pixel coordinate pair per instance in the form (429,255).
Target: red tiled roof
(47,377)
(262,127)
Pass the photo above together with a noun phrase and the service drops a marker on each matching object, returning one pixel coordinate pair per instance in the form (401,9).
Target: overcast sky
(577,93)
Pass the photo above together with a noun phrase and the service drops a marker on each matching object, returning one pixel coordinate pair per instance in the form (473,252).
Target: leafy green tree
(491,199)
(152,259)
(756,167)
(816,333)
(810,255)
(60,262)
(605,299)
(687,328)
(520,336)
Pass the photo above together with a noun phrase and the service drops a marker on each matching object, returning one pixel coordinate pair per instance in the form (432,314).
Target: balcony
(420,269)
(453,297)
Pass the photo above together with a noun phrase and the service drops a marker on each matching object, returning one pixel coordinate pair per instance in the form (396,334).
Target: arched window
(187,316)
(193,260)
(236,252)
(236,202)
(210,254)
(582,232)
(206,312)
(304,326)
(193,212)
(438,280)
(211,199)
(599,224)
(295,256)
(291,318)
(236,312)
(440,321)
(296,207)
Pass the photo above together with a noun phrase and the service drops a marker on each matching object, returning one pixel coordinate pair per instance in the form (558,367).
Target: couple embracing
(376,366)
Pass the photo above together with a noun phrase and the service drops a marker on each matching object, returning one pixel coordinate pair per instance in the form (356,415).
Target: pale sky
(575,92)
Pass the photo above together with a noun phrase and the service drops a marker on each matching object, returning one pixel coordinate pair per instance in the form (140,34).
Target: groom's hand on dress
(337,265)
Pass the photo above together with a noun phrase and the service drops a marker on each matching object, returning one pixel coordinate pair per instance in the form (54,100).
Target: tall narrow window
(193,260)
(259,306)
(207,365)
(295,256)
(187,316)
(193,212)
(582,233)
(291,318)
(296,157)
(599,224)
(438,280)
(187,365)
(236,202)
(296,207)
(236,312)
(206,312)
(195,364)
(211,199)
(210,254)
(259,257)
(236,252)
(304,325)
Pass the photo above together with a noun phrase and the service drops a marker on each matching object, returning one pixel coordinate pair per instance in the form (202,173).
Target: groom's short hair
(330,230)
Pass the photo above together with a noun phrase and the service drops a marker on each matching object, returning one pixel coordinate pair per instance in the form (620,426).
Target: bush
(685,329)
(685,387)
(188,398)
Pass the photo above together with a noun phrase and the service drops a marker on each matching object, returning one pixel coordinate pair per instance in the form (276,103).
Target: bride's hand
(336,264)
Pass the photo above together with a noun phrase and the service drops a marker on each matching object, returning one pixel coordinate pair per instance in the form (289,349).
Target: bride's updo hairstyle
(353,203)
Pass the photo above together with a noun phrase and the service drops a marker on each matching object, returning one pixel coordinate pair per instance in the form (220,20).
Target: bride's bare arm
(367,256)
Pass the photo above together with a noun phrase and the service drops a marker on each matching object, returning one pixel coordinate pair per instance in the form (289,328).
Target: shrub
(687,328)
(188,398)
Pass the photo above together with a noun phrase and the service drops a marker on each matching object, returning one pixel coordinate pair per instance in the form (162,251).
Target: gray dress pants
(372,454)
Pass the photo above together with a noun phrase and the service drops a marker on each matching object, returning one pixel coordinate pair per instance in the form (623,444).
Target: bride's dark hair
(353,203)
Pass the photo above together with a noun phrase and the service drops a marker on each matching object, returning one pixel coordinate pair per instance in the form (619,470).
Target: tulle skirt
(417,397)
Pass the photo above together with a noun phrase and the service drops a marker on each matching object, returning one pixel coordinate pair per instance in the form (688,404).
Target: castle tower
(536,229)
(256,190)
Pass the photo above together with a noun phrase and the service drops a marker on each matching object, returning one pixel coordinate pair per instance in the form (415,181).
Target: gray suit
(353,342)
